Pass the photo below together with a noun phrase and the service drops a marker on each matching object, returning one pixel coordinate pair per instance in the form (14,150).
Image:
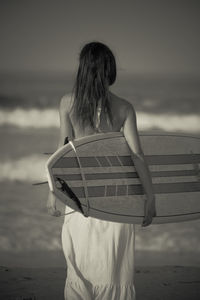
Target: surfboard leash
(86,213)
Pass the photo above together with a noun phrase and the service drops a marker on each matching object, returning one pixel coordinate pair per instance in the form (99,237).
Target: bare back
(119,109)
(124,118)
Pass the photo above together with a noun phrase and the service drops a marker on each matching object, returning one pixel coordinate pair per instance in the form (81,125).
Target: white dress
(100,258)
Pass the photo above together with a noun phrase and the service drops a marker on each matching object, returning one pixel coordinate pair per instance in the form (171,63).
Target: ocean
(29,127)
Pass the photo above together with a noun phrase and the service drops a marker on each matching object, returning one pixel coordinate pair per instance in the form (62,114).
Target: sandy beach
(152,283)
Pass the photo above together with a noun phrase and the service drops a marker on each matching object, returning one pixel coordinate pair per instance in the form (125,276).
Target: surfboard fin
(66,140)
(40,183)
(70,193)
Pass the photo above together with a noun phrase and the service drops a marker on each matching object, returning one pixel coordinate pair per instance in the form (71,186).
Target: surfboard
(96,176)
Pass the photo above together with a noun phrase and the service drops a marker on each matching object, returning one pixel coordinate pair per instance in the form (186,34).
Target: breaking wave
(26,169)
(35,118)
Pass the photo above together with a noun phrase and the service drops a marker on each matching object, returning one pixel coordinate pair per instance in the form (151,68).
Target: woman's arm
(66,130)
(132,137)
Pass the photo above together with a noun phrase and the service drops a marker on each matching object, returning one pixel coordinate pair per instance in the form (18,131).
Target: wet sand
(152,283)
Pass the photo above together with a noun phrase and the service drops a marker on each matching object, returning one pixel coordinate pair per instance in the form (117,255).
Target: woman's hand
(51,206)
(149,212)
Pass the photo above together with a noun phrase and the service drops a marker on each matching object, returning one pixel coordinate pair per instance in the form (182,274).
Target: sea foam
(30,168)
(36,118)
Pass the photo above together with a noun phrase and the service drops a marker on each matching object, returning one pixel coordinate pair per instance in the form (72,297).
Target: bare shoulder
(122,105)
(66,103)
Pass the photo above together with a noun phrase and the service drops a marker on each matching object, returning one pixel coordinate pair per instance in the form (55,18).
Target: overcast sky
(147,36)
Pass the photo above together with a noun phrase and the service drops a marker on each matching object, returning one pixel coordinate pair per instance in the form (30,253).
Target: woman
(100,254)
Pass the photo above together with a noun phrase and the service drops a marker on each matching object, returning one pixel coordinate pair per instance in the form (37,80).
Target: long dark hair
(96,72)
